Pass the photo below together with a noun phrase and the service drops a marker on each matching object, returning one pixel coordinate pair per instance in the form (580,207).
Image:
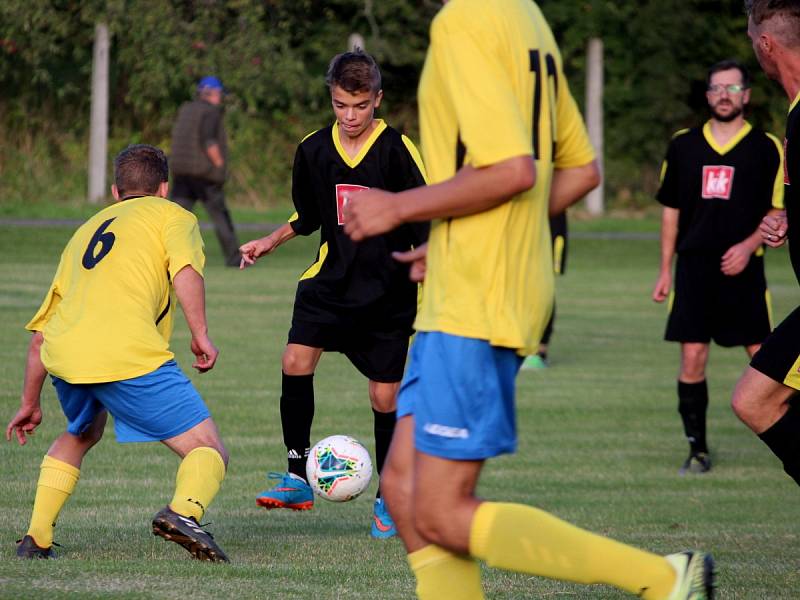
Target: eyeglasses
(732,89)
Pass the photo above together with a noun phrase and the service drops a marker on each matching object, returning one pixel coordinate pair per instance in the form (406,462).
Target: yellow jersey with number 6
(109,311)
(492,89)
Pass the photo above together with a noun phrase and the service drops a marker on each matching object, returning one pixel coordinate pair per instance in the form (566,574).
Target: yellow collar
(731,142)
(353,162)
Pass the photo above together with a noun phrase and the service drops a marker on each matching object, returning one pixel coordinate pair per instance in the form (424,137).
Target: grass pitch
(600,446)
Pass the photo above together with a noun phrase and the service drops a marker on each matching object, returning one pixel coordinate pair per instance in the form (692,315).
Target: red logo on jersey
(717,181)
(786,180)
(343,190)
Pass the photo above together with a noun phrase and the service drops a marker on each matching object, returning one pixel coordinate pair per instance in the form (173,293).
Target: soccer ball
(339,468)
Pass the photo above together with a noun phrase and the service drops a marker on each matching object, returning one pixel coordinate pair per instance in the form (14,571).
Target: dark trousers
(188,190)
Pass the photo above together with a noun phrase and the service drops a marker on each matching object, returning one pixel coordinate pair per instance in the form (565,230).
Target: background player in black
(718,182)
(355,298)
(558,235)
(765,397)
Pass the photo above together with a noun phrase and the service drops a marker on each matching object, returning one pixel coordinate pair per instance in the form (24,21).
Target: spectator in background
(199,161)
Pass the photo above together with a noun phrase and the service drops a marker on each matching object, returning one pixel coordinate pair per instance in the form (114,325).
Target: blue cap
(210,82)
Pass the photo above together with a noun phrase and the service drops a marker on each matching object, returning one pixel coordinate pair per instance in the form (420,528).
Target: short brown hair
(727,65)
(787,27)
(354,72)
(140,168)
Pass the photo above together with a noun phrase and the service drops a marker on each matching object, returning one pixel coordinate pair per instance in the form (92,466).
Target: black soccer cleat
(27,548)
(698,462)
(188,533)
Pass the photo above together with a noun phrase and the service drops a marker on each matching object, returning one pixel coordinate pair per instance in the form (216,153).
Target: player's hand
(254,249)
(24,422)
(663,286)
(735,259)
(369,213)
(417,258)
(205,353)
(773,229)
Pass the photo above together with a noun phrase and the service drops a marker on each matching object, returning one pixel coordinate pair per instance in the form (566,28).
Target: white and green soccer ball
(339,468)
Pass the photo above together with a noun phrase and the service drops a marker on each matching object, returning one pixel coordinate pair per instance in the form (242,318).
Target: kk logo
(343,192)
(717,182)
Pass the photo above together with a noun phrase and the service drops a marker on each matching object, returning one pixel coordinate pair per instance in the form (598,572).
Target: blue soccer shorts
(460,392)
(152,407)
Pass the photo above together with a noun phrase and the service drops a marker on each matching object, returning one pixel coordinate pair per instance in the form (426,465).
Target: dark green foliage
(657,53)
(272,56)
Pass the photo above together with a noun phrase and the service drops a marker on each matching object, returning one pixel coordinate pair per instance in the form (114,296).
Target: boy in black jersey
(765,397)
(717,183)
(354,298)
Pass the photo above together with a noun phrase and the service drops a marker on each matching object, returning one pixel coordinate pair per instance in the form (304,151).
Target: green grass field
(600,446)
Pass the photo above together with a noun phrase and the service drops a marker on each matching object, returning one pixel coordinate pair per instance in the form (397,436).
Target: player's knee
(383,397)
(90,437)
(740,404)
(431,523)
(295,364)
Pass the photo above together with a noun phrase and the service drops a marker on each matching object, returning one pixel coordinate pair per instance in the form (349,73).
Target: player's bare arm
(773,228)
(669,234)
(571,184)
(254,249)
(29,414)
(470,191)
(190,289)
(737,256)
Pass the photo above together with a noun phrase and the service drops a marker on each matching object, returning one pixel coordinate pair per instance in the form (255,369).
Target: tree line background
(272,56)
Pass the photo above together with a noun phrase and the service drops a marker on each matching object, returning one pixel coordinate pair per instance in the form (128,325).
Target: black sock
(783,438)
(297,414)
(692,405)
(384,428)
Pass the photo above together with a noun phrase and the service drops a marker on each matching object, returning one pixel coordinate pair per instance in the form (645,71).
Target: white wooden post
(595,203)
(98,131)
(356,40)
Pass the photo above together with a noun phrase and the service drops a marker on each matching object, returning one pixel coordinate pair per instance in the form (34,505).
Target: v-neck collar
(354,162)
(721,150)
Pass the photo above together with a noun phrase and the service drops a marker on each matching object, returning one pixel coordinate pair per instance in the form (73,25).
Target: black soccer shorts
(378,355)
(779,356)
(708,305)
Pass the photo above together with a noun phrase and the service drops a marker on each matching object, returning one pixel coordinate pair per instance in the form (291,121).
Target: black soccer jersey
(791,146)
(722,192)
(355,284)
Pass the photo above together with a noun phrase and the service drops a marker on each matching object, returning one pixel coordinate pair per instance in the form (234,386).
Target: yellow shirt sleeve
(183,243)
(51,299)
(573,148)
(490,122)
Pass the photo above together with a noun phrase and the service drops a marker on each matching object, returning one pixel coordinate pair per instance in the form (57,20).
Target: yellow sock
(57,479)
(441,575)
(528,540)
(199,476)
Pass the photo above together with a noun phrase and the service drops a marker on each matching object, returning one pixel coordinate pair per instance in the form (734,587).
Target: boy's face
(354,111)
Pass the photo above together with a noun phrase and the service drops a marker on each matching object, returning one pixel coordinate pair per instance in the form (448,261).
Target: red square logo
(717,181)
(342,191)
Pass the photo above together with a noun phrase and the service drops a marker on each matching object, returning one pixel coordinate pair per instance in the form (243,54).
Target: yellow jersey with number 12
(492,89)
(109,311)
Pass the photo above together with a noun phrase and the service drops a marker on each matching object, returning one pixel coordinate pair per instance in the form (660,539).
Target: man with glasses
(717,182)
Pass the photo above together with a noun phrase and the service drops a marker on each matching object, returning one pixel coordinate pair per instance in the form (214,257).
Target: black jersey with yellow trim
(791,145)
(355,284)
(722,192)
